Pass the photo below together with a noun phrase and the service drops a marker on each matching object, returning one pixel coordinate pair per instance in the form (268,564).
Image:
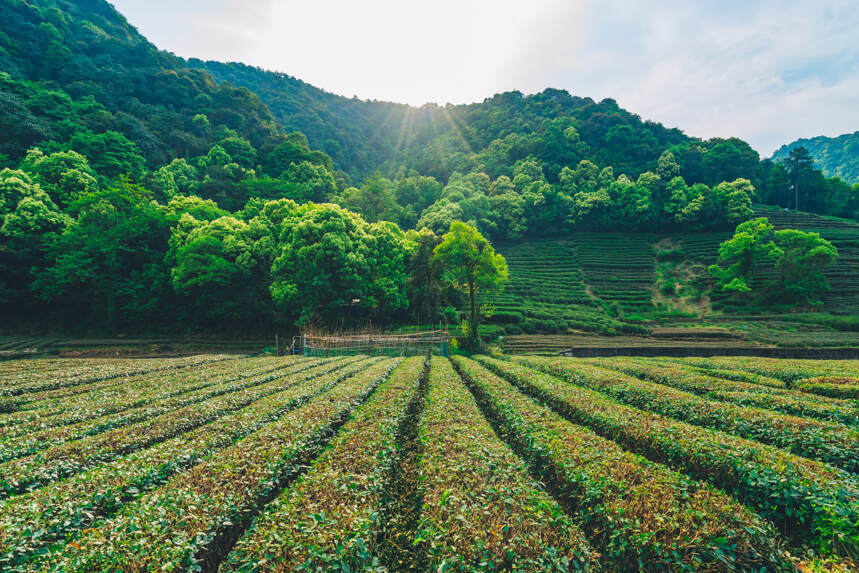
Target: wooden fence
(373,343)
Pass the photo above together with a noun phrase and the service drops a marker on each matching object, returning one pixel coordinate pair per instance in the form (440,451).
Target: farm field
(581,289)
(528,463)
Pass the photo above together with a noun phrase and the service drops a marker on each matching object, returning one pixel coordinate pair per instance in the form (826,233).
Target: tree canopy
(798,257)
(471,265)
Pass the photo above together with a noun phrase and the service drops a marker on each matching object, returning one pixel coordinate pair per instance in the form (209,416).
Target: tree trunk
(471,297)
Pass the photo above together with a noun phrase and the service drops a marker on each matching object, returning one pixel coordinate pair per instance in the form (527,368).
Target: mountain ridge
(837,156)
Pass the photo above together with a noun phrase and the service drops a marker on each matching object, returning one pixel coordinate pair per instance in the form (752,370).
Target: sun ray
(456,124)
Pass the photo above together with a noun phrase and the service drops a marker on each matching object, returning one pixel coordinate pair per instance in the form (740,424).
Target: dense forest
(142,191)
(835,156)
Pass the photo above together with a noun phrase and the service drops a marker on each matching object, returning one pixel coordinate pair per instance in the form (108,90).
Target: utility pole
(796,191)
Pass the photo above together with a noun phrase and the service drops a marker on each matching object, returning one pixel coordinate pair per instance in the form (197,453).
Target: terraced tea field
(595,282)
(844,275)
(224,463)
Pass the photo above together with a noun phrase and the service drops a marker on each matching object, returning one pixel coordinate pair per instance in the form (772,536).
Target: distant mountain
(836,156)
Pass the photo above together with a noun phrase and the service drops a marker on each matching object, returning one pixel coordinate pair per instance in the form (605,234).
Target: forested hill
(140,190)
(362,136)
(77,76)
(105,76)
(836,156)
(69,69)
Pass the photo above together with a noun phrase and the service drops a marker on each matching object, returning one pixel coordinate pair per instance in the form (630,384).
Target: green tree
(107,265)
(751,244)
(387,263)
(25,230)
(313,182)
(222,269)
(802,259)
(800,171)
(424,280)
(14,186)
(322,264)
(667,166)
(798,258)
(200,209)
(240,150)
(729,159)
(110,154)
(294,149)
(632,203)
(777,186)
(373,200)
(65,175)
(414,194)
(464,198)
(471,265)
(177,178)
(735,200)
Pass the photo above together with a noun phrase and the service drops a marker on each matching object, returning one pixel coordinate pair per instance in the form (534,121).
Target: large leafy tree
(374,200)
(414,194)
(471,265)
(387,258)
(803,257)
(751,244)
(424,279)
(798,257)
(108,264)
(110,154)
(29,220)
(324,265)
(222,268)
(65,175)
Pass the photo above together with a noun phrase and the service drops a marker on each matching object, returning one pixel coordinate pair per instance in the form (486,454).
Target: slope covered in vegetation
(142,191)
(836,156)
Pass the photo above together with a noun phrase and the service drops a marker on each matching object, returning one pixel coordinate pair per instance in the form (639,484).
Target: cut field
(220,463)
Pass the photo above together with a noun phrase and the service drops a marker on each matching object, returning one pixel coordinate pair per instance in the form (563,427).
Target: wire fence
(373,343)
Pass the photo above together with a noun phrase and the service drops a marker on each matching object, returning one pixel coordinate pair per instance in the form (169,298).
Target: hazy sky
(767,71)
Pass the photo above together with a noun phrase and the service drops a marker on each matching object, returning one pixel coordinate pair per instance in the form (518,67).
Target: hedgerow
(788,371)
(193,520)
(331,518)
(42,431)
(30,381)
(481,511)
(831,387)
(67,459)
(743,393)
(726,374)
(49,408)
(810,502)
(828,442)
(637,513)
(32,522)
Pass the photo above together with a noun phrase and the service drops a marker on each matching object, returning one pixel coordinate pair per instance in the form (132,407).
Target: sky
(767,71)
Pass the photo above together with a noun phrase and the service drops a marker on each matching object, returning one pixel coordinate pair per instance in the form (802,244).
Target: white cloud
(767,71)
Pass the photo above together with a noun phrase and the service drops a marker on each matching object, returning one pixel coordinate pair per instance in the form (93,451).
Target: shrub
(513,329)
